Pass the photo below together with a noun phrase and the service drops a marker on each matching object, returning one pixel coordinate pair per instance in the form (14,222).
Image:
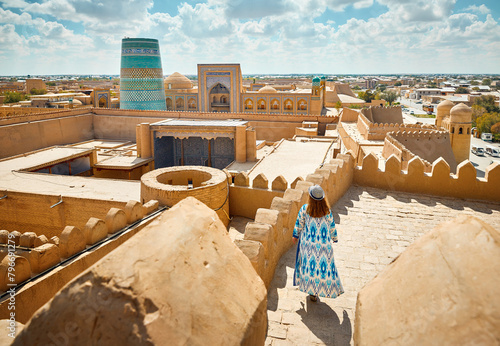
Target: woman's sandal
(313,298)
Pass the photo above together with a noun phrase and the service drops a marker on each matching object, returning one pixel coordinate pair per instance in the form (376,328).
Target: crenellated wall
(270,235)
(438,181)
(383,115)
(429,146)
(35,254)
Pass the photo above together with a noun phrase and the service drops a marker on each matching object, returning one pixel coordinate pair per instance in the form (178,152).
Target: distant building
(34,83)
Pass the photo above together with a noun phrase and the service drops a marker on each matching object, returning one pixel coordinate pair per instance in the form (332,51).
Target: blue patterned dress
(315,271)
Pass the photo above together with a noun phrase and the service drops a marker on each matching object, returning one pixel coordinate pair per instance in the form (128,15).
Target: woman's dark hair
(317,208)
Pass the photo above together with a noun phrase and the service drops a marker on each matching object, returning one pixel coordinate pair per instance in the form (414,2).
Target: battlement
(428,145)
(439,181)
(270,235)
(36,253)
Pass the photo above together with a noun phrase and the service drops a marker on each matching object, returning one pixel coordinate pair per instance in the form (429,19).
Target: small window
(460,131)
(468,131)
(452,130)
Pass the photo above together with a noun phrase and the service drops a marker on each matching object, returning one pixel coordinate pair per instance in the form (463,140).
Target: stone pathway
(374,227)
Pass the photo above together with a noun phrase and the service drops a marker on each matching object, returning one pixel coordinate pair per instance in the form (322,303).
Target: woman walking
(315,271)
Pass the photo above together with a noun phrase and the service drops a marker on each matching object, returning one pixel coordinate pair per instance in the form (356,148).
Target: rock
(179,281)
(40,240)
(95,230)
(22,271)
(27,239)
(115,220)
(44,257)
(442,290)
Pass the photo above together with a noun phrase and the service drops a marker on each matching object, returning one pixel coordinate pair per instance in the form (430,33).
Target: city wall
(35,254)
(31,212)
(269,236)
(438,181)
(429,146)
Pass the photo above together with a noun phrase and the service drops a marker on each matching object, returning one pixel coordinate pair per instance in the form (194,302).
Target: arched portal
(219,95)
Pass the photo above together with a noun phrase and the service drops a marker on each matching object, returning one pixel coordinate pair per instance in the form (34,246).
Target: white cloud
(482,9)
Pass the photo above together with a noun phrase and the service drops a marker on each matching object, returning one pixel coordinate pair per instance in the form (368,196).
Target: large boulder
(442,290)
(180,281)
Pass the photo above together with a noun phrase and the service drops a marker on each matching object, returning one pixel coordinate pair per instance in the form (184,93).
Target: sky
(264,36)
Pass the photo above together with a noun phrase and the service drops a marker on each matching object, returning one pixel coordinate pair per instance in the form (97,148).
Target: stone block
(54,240)
(72,241)
(294,183)
(242,179)
(271,217)
(443,296)
(44,257)
(115,220)
(440,170)
(288,210)
(279,183)
(294,195)
(27,239)
(150,206)
(95,230)
(393,165)
(133,211)
(40,240)
(255,253)
(16,237)
(179,270)
(22,271)
(4,236)
(260,182)
(466,173)
(262,233)
(316,179)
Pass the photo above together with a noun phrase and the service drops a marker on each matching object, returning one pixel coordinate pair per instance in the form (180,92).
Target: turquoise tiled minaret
(141,75)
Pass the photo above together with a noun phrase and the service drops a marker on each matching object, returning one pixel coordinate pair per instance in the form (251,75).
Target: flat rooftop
(292,159)
(213,123)
(11,179)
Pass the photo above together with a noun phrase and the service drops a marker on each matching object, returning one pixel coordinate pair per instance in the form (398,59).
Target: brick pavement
(374,227)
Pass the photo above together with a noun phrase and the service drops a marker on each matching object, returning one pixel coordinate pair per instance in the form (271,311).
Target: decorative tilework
(141,75)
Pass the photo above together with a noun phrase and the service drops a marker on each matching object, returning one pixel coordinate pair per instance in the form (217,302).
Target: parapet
(439,181)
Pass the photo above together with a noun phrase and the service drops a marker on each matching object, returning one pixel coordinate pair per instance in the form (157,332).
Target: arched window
(302,105)
(169,104)
(468,131)
(192,103)
(288,105)
(453,130)
(214,99)
(223,99)
(179,103)
(460,131)
(248,104)
(261,104)
(275,104)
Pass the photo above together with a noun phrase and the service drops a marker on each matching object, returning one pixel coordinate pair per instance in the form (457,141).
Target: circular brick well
(172,184)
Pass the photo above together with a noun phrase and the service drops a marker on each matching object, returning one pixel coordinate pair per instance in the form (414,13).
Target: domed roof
(316,79)
(178,81)
(461,114)
(267,89)
(445,105)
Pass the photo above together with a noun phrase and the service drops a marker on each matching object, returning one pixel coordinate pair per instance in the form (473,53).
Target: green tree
(338,105)
(398,83)
(390,96)
(496,128)
(485,122)
(487,81)
(356,87)
(366,96)
(50,83)
(38,91)
(13,97)
(474,82)
(461,90)
(381,87)
(488,103)
(432,85)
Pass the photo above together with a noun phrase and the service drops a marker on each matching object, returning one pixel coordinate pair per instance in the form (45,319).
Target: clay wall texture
(384,115)
(30,212)
(438,181)
(270,235)
(429,146)
(28,136)
(44,254)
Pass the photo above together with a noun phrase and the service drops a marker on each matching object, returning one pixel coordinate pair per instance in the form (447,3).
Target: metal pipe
(52,206)
(3,197)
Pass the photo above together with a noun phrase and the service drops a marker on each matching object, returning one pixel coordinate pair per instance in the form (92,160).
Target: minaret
(442,111)
(141,75)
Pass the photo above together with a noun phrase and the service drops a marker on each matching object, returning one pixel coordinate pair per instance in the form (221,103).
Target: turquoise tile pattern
(141,75)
